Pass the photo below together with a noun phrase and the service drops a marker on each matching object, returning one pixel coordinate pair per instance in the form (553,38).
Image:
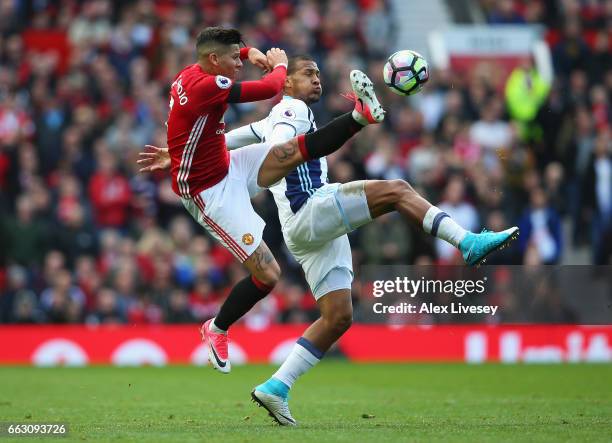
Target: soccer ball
(406,72)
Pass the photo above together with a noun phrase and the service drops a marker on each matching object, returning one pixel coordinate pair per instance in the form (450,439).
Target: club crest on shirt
(223,82)
(248,239)
(289,113)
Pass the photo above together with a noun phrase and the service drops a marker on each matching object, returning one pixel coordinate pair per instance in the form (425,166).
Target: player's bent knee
(400,190)
(401,187)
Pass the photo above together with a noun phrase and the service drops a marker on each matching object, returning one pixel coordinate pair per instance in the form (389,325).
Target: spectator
(74,237)
(107,310)
(25,309)
(541,227)
(491,133)
(597,197)
(177,308)
(496,221)
(203,302)
(554,186)
(110,193)
(377,28)
(387,241)
(459,209)
(62,302)
(572,51)
(14,301)
(526,92)
(15,124)
(23,236)
(291,308)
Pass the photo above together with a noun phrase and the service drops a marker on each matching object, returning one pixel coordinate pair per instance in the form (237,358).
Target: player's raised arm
(270,85)
(256,57)
(287,119)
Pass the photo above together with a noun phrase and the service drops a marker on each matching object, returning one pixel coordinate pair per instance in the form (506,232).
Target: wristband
(244,52)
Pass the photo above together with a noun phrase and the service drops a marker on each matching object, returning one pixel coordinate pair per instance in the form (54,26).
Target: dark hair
(210,38)
(293,61)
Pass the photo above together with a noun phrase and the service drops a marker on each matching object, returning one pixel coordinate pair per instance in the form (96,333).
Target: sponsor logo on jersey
(223,82)
(248,239)
(289,113)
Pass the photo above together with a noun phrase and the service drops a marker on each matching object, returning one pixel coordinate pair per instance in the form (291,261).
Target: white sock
(214,328)
(300,360)
(439,224)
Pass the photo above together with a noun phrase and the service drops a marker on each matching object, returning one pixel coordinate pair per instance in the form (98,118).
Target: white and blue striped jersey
(289,118)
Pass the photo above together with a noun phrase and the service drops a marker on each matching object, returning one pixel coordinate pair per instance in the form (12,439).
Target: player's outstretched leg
(397,195)
(475,248)
(367,108)
(285,157)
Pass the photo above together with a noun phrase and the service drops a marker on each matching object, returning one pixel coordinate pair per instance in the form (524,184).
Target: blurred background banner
(491,50)
(513,128)
(162,345)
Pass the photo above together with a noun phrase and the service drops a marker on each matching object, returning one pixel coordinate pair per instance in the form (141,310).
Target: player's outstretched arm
(243,136)
(249,134)
(270,85)
(155,159)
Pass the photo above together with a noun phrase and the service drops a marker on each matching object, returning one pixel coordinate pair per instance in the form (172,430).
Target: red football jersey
(196,140)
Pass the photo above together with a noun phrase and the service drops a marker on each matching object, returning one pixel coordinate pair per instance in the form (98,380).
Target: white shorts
(316,235)
(225,210)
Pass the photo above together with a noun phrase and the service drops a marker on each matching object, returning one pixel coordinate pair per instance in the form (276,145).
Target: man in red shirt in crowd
(110,193)
(216,185)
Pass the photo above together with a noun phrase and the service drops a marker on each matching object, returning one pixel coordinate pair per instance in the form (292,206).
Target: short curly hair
(293,62)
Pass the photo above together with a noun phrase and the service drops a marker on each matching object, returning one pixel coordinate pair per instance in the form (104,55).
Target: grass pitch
(336,402)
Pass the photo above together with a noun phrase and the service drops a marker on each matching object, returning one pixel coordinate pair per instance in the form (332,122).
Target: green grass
(407,402)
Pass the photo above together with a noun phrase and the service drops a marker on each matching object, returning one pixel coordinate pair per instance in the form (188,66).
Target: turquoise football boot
(273,396)
(476,247)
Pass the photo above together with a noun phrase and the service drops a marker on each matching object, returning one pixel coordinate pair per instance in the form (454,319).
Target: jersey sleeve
(212,90)
(244,135)
(292,114)
(255,90)
(281,134)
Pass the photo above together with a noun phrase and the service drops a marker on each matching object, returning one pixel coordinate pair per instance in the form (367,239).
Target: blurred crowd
(85,238)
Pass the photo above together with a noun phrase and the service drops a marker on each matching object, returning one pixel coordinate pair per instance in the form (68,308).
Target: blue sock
(274,387)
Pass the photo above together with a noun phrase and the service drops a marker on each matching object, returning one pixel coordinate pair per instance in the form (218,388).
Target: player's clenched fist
(276,56)
(259,59)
